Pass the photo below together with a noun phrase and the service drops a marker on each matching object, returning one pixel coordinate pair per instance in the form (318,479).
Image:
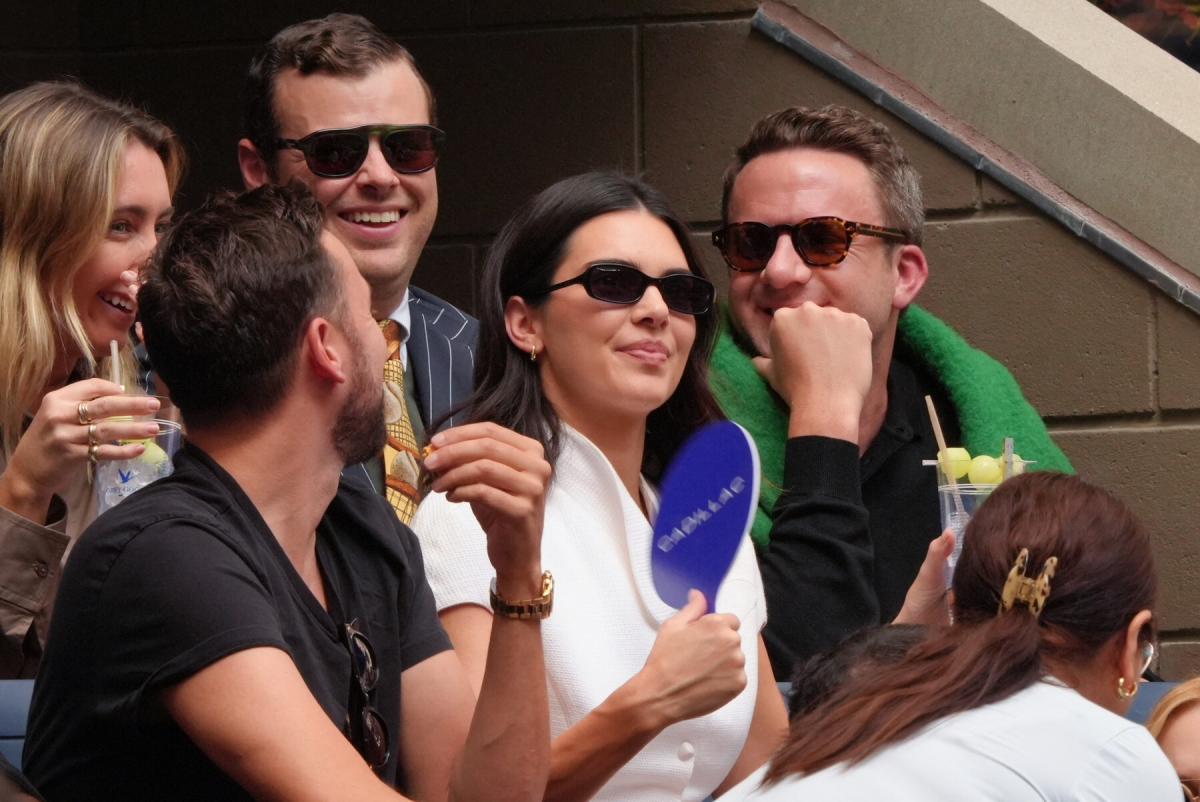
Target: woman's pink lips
(117,310)
(651,351)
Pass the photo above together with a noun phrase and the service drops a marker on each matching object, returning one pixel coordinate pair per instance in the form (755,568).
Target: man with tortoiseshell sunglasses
(827,363)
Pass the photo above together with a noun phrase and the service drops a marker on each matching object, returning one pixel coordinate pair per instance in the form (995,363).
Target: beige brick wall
(1105,357)
(534,91)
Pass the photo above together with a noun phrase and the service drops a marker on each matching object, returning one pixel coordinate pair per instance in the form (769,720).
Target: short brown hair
(339,44)
(840,130)
(228,295)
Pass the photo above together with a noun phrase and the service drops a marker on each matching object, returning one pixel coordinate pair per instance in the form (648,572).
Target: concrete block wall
(532,91)
(40,40)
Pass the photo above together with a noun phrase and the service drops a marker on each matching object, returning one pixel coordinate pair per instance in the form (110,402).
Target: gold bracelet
(526,608)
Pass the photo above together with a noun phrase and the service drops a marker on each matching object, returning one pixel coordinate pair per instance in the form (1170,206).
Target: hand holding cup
(927,601)
(84,420)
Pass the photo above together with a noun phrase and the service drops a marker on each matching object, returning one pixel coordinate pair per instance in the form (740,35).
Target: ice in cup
(958,502)
(116,480)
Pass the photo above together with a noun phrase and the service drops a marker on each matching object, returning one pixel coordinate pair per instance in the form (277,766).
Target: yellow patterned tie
(400,457)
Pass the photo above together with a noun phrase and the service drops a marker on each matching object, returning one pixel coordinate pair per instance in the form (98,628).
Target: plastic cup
(116,480)
(958,503)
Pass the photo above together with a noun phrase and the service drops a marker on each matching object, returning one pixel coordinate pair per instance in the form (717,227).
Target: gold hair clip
(1030,592)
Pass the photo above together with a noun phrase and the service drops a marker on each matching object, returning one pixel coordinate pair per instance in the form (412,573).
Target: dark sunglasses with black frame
(339,152)
(367,731)
(615,283)
(820,241)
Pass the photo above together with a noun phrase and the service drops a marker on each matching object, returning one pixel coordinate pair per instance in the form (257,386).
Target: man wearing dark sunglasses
(340,106)
(827,363)
(258,626)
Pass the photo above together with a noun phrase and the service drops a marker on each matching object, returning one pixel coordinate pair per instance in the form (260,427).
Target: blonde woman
(85,189)
(1175,724)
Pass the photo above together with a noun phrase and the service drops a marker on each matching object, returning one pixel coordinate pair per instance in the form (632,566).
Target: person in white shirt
(1021,698)
(596,326)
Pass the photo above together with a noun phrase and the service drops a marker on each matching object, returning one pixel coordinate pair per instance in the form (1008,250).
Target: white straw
(114,365)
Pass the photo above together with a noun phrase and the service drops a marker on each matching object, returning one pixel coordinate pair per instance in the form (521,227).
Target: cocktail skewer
(944,456)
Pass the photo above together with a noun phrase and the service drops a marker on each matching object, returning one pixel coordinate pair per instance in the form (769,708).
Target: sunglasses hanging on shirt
(368,732)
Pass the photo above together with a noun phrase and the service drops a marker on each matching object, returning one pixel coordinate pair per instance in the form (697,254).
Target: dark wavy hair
(871,648)
(227,296)
(1105,577)
(521,263)
(339,44)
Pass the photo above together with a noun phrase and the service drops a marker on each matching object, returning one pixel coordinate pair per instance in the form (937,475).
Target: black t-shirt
(184,573)
(849,534)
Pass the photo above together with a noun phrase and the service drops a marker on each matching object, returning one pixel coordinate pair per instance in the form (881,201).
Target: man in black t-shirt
(253,626)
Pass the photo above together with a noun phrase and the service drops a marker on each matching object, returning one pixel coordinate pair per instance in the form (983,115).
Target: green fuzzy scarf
(989,403)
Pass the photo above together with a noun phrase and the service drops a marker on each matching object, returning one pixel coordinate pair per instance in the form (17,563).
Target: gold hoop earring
(533,354)
(1124,694)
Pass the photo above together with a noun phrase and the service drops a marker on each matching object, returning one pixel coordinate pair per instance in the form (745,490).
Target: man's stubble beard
(360,432)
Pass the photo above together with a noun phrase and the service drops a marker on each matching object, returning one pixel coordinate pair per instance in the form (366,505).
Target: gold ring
(91,434)
(82,411)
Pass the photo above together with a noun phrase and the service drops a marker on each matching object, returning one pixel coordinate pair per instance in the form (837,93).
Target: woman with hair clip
(85,189)
(1021,699)
(596,328)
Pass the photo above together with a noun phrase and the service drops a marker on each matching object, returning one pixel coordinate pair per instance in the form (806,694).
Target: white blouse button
(686,751)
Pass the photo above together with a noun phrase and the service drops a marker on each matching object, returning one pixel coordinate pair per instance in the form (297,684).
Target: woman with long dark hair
(1021,698)
(596,327)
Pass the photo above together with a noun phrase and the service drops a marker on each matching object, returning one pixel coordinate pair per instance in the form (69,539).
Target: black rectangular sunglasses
(685,293)
(339,152)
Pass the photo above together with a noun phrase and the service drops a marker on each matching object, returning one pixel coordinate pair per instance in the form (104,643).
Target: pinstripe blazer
(441,351)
